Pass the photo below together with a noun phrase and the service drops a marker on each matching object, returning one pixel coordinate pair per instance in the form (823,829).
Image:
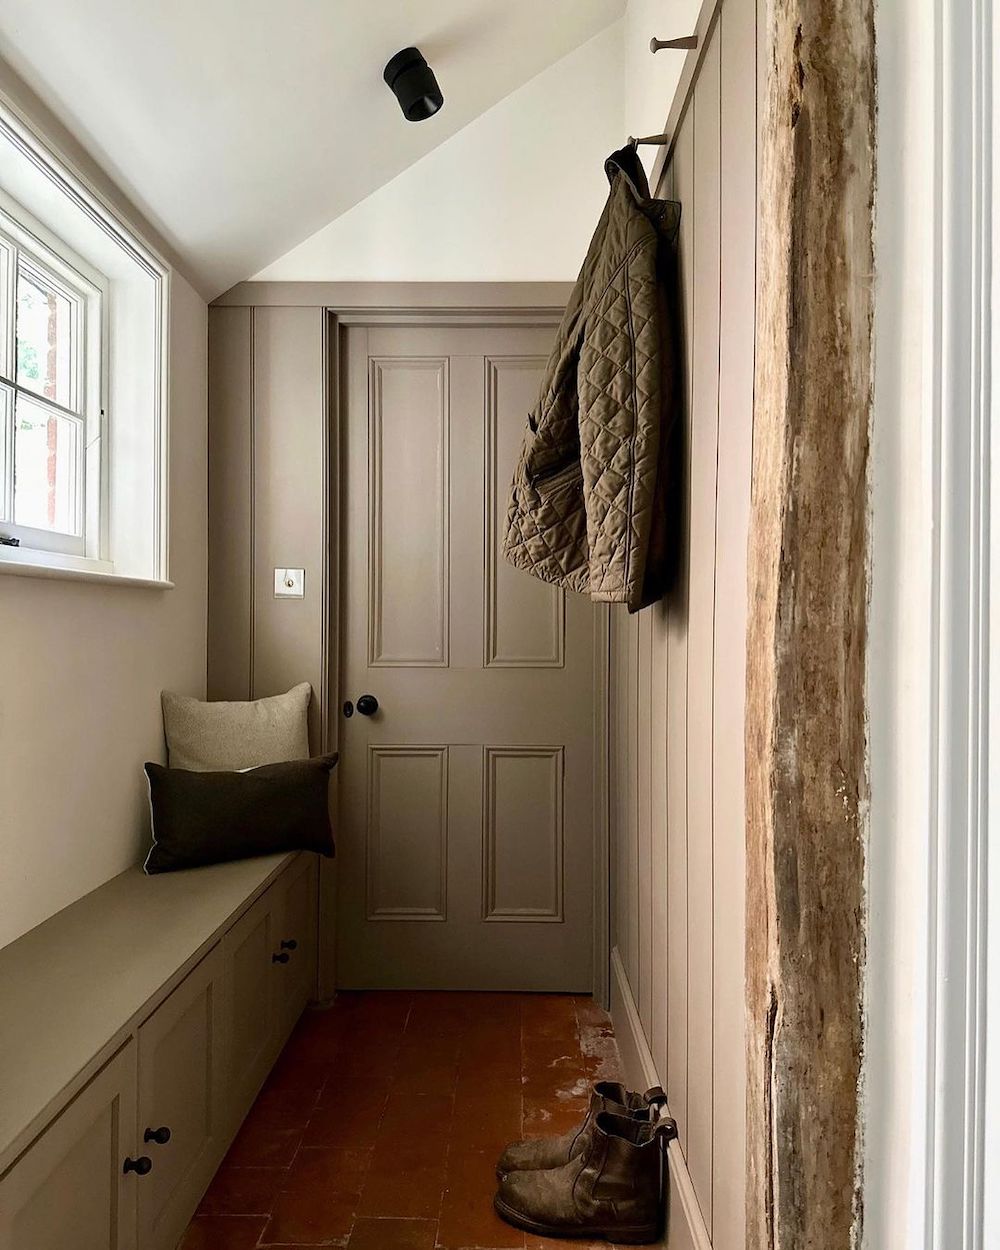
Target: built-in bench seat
(154,1003)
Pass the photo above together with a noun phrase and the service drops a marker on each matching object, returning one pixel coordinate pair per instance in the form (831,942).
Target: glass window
(47,350)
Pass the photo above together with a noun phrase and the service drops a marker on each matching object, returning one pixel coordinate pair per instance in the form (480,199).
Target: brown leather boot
(613,1190)
(551,1152)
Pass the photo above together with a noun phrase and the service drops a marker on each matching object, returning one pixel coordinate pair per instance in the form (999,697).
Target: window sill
(23,562)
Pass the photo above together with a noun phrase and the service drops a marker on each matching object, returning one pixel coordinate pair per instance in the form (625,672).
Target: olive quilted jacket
(588,503)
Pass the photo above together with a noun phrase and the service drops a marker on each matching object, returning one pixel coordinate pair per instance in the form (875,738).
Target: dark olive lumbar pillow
(207,818)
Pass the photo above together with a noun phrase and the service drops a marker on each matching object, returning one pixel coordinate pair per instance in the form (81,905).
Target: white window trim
(17,130)
(90,287)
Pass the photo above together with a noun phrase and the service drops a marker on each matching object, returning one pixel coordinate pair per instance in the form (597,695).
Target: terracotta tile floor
(381,1124)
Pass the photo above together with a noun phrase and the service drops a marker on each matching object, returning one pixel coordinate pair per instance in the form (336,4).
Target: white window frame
(128,539)
(35,248)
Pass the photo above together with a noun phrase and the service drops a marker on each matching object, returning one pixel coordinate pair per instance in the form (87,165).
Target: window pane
(6,307)
(45,346)
(6,450)
(47,460)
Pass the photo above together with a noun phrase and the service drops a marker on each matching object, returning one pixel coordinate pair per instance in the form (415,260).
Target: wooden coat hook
(685,42)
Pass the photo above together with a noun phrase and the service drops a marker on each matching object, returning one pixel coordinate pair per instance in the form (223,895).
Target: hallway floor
(381,1124)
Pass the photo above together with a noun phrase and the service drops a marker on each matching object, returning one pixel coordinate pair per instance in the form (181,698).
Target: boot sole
(637,1235)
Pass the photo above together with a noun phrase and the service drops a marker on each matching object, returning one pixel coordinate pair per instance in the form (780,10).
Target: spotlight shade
(412,82)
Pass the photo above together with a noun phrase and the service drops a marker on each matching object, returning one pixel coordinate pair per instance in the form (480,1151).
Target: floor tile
(467,1216)
(351,1118)
(259,1145)
(407,1174)
(486,1122)
(242,1191)
(222,1232)
(311,1218)
(393,1234)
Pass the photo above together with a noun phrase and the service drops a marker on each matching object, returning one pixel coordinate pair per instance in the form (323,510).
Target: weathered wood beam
(806,739)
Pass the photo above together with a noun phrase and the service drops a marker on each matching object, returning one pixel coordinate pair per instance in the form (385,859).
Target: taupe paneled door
(466,799)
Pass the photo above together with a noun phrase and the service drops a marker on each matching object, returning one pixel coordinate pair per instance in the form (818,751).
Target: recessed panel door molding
(466,798)
(409,504)
(523,833)
(407,833)
(525,618)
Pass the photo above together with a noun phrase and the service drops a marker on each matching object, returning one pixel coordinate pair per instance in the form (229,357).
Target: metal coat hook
(685,42)
(656,140)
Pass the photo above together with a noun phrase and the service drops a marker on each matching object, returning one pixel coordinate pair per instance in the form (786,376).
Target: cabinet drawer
(69,1188)
(180,1095)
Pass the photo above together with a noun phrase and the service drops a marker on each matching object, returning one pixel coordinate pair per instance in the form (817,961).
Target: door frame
(417,303)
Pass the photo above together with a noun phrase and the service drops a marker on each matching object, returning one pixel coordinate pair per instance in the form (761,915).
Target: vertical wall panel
(230,493)
(701,621)
(659,983)
(644,830)
(289,423)
(677,690)
(736,366)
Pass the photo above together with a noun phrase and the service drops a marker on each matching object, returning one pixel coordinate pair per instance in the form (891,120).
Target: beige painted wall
(80,680)
(678,683)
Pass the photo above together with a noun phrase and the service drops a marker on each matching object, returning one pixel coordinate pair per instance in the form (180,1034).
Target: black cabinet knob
(141,1166)
(160,1135)
(289,944)
(367,705)
(283,958)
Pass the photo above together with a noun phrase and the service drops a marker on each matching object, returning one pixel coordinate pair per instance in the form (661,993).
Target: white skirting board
(685,1228)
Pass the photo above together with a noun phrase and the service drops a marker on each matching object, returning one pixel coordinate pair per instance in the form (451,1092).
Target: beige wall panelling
(230,503)
(631,634)
(181,1088)
(677,688)
(701,620)
(644,899)
(659,983)
(72,1176)
(736,363)
(289,419)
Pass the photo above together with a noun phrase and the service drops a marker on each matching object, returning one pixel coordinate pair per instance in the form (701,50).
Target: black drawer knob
(283,958)
(289,944)
(160,1135)
(141,1166)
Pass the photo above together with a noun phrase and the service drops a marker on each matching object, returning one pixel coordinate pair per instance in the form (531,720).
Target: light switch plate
(289,583)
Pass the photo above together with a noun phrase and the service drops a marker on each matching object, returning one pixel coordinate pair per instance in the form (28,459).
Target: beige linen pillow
(223,737)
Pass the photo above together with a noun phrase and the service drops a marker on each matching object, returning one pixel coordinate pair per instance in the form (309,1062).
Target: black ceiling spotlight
(412,82)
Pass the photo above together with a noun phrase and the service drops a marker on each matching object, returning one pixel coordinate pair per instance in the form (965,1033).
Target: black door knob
(367,705)
(141,1166)
(283,958)
(160,1135)
(289,944)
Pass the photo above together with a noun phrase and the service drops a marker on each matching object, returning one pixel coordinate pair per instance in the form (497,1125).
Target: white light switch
(289,583)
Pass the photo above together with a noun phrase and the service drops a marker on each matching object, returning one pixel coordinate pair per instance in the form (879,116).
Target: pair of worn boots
(601,1180)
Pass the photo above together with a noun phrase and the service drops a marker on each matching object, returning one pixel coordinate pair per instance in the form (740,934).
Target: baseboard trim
(686,1229)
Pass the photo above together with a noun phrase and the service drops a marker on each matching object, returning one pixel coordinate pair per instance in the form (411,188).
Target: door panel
(467,799)
(69,1187)
(180,1088)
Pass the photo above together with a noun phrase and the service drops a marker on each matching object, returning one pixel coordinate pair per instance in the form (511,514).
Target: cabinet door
(180,1087)
(251,1019)
(69,1188)
(296,938)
